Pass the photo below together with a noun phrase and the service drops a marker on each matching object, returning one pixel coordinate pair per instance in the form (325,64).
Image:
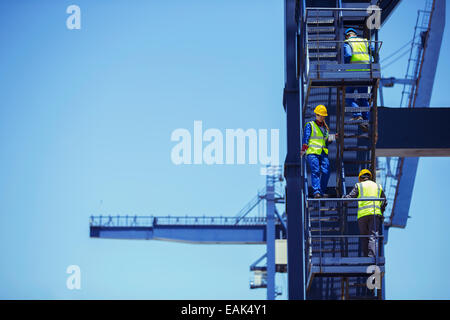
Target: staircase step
(327,219)
(363,298)
(356,122)
(326,229)
(324,240)
(357,162)
(313,55)
(358,95)
(322,46)
(322,63)
(362,149)
(321,37)
(352,174)
(325,251)
(357,109)
(324,20)
(323,209)
(357,136)
(312,29)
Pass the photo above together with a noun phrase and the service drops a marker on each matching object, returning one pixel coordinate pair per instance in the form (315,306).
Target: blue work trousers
(320,172)
(357,103)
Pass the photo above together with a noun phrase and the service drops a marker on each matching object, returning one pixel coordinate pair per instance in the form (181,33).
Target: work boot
(317,195)
(364,127)
(356,118)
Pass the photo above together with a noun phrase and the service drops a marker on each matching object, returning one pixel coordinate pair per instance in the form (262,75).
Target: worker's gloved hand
(303,151)
(332,137)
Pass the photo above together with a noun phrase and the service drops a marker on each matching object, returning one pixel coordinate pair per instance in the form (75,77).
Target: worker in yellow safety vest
(316,138)
(370,213)
(357,50)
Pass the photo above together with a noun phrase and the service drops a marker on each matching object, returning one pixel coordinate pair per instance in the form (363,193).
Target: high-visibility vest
(317,141)
(360,52)
(369,189)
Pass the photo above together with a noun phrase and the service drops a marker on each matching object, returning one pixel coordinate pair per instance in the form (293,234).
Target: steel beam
(270,235)
(249,234)
(294,210)
(396,139)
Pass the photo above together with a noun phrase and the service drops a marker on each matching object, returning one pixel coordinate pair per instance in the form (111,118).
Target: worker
(316,138)
(357,50)
(370,213)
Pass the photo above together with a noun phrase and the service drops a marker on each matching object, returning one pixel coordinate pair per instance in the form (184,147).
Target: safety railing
(151,221)
(314,17)
(121,221)
(340,241)
(325,70)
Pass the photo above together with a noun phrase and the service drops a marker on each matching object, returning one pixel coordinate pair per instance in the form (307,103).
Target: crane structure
(316,241)
(265,227)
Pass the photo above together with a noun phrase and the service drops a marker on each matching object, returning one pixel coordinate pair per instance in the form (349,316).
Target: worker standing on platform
(316,139)
(357,50)
(370,213)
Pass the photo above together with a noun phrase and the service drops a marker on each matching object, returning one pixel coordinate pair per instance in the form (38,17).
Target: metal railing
(340,241)
(151,221)
(313,51)
(311,17)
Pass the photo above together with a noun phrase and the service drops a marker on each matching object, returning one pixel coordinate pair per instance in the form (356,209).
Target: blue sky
(85,129)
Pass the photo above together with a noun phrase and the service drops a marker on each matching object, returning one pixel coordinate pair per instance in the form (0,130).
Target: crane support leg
(292,162)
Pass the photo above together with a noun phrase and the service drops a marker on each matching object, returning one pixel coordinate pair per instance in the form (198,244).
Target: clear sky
(85,123)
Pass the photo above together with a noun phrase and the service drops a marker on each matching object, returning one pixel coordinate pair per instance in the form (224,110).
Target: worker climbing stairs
(334,262)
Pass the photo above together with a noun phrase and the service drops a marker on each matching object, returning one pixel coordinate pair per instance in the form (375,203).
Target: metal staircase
(335,267)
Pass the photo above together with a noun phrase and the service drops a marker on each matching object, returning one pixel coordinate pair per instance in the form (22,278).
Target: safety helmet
(350,30)
(321,110)
(364,172)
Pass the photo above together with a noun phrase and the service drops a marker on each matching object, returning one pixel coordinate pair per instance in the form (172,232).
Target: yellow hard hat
(363,172)
(321,110)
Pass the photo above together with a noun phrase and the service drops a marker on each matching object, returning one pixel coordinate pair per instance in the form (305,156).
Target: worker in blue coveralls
(357,50)
(316,138)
